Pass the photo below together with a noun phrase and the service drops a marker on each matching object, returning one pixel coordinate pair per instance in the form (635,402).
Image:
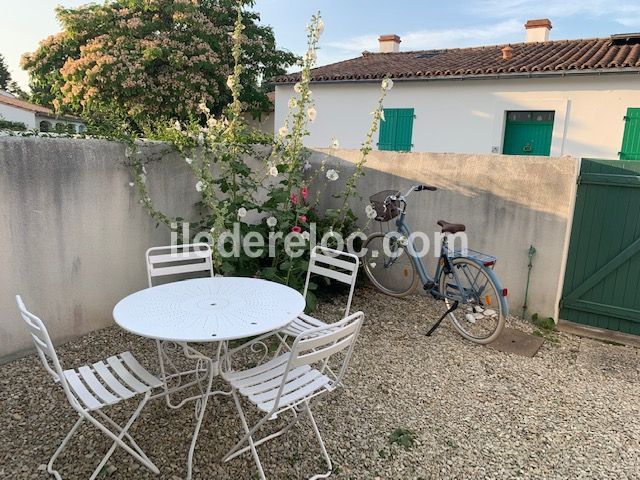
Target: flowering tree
(230,188)
(152,58)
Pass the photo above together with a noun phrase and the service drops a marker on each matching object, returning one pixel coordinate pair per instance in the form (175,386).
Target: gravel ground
(570,412)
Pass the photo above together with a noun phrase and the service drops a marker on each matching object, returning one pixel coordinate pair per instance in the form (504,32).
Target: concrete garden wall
(73,232)
(508,203)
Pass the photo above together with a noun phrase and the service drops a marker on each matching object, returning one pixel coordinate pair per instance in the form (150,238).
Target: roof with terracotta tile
(32,107)
(617,54)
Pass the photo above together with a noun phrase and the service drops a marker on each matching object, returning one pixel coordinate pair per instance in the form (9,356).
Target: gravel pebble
(570,412)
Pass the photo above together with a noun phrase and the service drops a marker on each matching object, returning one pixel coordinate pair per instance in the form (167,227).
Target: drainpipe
(532,253)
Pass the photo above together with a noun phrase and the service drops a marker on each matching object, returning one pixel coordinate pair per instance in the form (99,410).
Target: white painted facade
(468,116)
(15,114)
(33,116)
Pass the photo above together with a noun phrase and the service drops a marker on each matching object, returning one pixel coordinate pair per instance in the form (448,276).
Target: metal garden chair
(173,263)
(93,387)
(288,382)
(333,264)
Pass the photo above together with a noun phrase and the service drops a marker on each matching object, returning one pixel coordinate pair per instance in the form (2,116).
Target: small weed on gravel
(546,328)
(403,437)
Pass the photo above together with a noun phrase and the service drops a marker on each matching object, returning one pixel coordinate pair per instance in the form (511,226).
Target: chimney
(507,53)
(538,30)
(389,43)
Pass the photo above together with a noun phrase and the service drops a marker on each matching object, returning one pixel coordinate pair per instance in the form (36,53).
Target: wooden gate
(602,282)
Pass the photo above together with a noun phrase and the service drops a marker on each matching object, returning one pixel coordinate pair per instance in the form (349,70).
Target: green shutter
(396,131)
(631,141)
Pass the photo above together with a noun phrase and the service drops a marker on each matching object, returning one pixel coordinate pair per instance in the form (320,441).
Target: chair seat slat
(112,382)
(273,383)
(291,385)
(80,391)
(116,365)
(319,384)
(94,384)
(141,372)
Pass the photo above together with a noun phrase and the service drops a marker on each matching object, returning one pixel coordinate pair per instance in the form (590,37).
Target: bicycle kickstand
(437,324)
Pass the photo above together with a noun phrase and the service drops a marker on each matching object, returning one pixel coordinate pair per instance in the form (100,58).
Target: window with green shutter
(631,141)
(396,131)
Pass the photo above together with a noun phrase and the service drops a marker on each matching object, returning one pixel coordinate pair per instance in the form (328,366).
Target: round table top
(209,309)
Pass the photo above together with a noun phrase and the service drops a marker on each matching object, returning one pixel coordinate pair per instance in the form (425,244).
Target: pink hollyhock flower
(304,192)
(303,218)
(296,229)
(294,199)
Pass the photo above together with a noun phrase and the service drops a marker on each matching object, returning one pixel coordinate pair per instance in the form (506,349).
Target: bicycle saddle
(451,227)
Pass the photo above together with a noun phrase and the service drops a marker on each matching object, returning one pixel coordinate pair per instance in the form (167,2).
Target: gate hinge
(578,181)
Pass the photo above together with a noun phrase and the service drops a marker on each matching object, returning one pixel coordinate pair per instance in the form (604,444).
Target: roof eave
(485,76)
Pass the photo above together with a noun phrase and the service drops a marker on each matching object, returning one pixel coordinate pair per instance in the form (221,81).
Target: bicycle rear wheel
(390,269)
(480,317)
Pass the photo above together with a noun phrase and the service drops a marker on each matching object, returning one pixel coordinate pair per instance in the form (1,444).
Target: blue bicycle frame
(445,265)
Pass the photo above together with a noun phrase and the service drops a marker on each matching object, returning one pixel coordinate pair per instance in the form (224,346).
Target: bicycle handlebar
(415,188)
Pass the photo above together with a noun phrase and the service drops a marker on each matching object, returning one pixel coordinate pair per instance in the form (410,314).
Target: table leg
(201,407)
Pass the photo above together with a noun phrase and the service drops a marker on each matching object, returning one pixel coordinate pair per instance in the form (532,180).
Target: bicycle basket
(386,208)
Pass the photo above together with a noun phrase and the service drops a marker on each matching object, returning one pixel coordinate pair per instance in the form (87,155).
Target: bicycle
(463,279)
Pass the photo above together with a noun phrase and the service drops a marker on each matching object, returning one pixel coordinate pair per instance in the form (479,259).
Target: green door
(396,130)
(631,141)
(528,133)
(603,265)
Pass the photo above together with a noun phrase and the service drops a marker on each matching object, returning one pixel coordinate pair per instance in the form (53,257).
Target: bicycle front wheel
(389,266)
(479,317)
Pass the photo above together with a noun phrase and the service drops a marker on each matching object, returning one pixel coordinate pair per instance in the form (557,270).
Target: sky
(353,26)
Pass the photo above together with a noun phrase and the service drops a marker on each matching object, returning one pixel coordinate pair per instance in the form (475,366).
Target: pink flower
(294,198)
(304,192)
(303,218)
(296,229)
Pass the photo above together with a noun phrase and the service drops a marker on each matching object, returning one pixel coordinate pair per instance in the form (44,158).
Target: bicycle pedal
(429,285)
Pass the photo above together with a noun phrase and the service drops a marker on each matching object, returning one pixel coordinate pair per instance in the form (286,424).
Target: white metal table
(207,310)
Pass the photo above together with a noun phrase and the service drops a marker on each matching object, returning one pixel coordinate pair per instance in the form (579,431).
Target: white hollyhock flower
(199,186)
(272,221)
(371,212)
(202,107)
(177,126)
(211,122)
(242,212)
(230,82)
(311,56)
(382,115)
(332,175)
(297,87)
(143,178)
(283,131)
(305,235)
(320,27)
(312,114)
(292,103)
(387,84)
(188,160)
(201,138)
(273,171)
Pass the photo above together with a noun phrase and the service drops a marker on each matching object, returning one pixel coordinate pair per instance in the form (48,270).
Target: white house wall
(467,116)
(13,114)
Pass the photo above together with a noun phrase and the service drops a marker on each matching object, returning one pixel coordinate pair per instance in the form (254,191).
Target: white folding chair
(288,383)
(333,264)
(173,263)
(92,387)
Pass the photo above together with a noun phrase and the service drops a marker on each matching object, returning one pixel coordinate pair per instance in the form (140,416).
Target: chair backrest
(45,349)
(183,260)
(336,265)
(318,346)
